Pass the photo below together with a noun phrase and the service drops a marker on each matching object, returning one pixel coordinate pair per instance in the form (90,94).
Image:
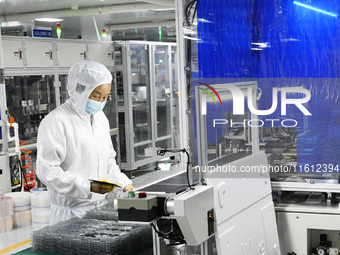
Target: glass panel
(120,88)
(119,74)
(119,79)
(139,152)
(140,80)
(110,108)
(118,54)
(175,97)
(226,132)
(114,140)
(122,137)
(29,99)
(164,143)
(162,91)
(63,90)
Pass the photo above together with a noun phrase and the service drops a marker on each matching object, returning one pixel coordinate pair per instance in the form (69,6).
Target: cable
(193,16)
(29,177)
(21,174)
(163,151)
(11,119)
(308,198)
(187,11)
(299,203)
(171,235)
(188,169)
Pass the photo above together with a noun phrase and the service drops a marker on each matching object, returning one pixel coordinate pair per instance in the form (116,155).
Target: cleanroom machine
(233,206)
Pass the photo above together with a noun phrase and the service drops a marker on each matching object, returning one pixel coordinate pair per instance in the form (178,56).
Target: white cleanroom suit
(75,146)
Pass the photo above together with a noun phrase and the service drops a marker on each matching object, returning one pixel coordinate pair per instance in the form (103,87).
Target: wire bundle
(188,10)
(29,176)
(163,151)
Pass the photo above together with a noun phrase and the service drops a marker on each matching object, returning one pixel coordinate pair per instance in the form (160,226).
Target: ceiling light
(11,24)
(49,19)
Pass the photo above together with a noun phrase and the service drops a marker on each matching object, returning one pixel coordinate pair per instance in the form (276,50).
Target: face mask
(93,106)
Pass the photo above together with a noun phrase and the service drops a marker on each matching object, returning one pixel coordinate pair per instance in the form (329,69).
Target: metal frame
(131,163)
(201,98)
(54,70)
(3,104)
(153,97)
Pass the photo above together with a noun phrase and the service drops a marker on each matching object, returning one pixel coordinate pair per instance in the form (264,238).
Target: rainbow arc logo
(209,93)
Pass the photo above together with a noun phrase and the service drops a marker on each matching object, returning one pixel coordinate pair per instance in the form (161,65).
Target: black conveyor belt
(178,183)
(175,184)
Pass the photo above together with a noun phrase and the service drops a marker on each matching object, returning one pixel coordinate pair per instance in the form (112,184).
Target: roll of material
(21,201)
(6,206)
(40,198)
(22,219)
(41,208)
(41,217)
(6,224)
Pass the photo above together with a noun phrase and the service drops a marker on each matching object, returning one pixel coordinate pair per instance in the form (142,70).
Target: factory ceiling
(122,19)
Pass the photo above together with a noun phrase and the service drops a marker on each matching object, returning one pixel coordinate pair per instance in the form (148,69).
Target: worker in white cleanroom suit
(74,145)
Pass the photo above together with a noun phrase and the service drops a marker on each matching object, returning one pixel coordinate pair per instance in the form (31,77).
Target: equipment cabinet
(147,100)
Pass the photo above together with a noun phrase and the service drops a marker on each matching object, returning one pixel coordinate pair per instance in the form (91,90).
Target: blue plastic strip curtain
(281,43)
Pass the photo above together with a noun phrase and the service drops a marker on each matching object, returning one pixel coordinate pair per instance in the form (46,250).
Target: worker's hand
(99,188)
(128,187)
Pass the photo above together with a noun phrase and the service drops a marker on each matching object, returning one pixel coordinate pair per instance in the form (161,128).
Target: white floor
(12,242)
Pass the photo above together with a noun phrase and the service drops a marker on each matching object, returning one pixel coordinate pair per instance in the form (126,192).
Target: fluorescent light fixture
(11,24)
(255,49)
(49,19)
(316,9)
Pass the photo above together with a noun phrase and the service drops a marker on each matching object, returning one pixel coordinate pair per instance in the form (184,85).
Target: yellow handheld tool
(106,184)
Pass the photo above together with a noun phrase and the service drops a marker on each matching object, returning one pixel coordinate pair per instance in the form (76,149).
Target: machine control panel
(211,222)
(137,207)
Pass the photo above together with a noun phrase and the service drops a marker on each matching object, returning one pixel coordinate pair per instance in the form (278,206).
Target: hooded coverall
(75,146)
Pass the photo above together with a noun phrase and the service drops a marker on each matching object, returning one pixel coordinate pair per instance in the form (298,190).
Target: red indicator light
(142,194)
